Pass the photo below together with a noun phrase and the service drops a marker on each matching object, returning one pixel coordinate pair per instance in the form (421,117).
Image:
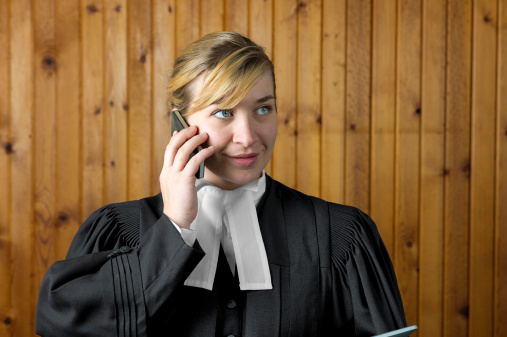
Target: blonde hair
(231,65)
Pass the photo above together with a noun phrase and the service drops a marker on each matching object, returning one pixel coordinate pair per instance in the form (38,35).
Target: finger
(177,140)
(194,163)
(181,157)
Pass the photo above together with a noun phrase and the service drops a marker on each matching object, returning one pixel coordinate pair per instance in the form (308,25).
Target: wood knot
(170,9)
(117,9)
(111,103)
(409,244)
(318,120)
(446,172)
(142,59)
(466,169)
(487,18)
(7,320)
(97,111)
(62,217)
(464,312)
(418,111)
(113,164)
(9,148)
(92,9)
(125,107)
(302,4)
(48,62)
(352,126)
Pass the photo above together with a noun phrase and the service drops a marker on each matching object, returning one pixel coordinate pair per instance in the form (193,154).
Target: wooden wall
(397,107)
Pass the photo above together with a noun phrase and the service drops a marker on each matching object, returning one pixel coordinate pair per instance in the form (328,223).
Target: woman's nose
(245,132)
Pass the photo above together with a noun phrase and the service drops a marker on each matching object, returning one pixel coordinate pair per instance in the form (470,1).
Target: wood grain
(92,118)
(45,137)
(116,102)
(431,219)
(139,91)
(22,282)
(68,130)
(408,116)
(383,119)
(457,169)
(214,22)
(236,16)
(164,54)
(500,260)
(482,201)
(187,22)
(333,100)
(285,61)
(5,172)
(358,105)
(309,117)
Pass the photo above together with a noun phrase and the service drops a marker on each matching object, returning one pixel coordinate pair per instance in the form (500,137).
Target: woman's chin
(230,181)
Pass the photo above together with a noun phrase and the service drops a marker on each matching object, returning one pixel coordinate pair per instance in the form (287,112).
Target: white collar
(230,212)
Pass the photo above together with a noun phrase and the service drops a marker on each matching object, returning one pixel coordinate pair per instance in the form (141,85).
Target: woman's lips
(245,159)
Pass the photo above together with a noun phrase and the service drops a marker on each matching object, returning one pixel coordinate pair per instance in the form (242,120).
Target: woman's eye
(264,110)
(223,113)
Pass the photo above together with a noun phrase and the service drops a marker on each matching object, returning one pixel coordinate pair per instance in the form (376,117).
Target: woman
(236,253)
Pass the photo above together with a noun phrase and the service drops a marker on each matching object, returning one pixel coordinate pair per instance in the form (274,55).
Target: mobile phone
(179,123)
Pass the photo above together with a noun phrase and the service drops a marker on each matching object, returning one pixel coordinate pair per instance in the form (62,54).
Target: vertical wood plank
(212,16)
(457,171)
(92,34)
(261,32)
(431,240)
(408,155)
(383,113)
(285,62)
(164,42)
(139,100)
(187,23)
(309,117)
(357,136)
(236,16)
(115,108)
(500,289)
(333,100)
(482,183)
(5,172)
(68,103)
(22,294)
(44,135)
(261,24)
(500,260)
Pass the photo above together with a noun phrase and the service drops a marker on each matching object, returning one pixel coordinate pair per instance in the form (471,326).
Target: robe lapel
(288,226)
(263,309)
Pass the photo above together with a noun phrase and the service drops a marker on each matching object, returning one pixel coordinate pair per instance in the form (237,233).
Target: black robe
(124,274)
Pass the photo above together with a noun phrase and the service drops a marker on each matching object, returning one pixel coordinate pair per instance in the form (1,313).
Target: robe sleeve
(366,291)
(112,283)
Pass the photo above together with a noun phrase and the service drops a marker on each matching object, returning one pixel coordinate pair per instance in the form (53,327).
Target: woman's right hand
(177,179)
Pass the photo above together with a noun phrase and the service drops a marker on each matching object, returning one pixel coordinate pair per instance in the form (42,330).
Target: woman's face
(243,136)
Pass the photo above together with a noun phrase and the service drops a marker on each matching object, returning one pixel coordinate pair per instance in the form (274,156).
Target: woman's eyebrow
(264,99)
